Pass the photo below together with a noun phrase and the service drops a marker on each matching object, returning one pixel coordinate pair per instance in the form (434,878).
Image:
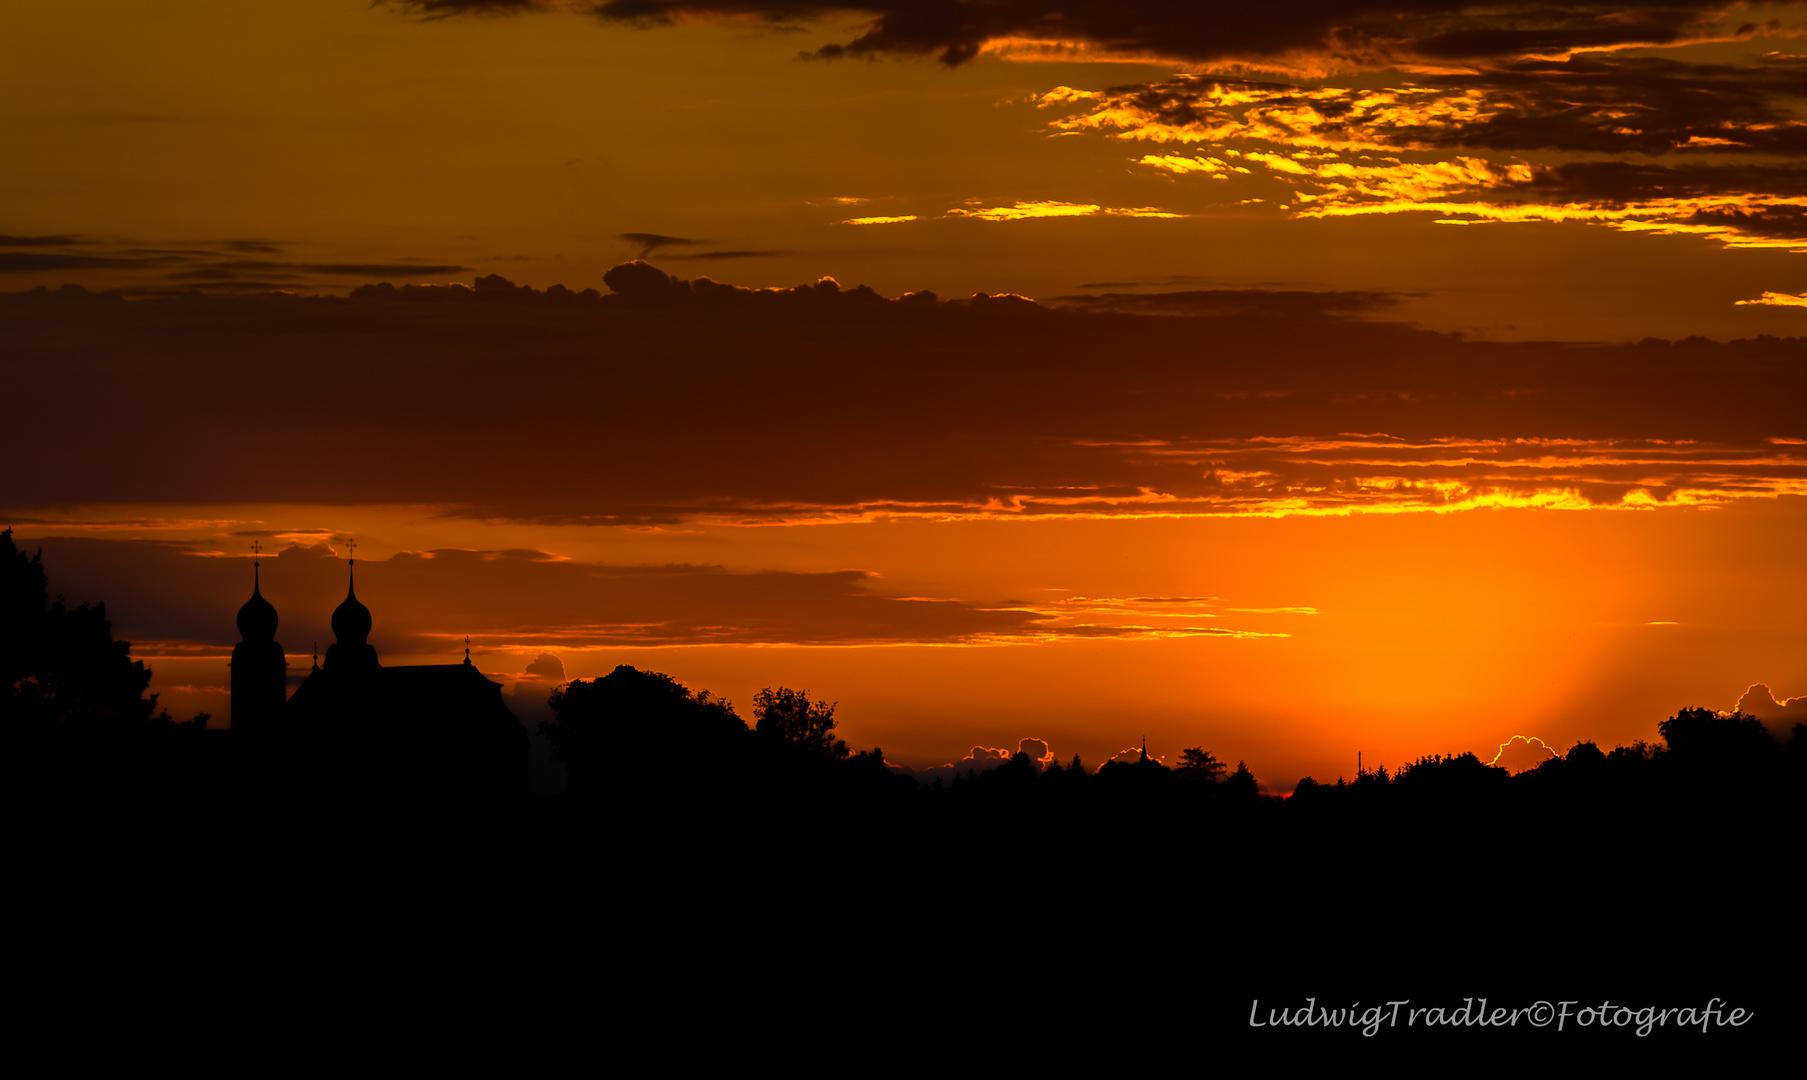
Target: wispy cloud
(1776,299)
(648,242)
(1049,209)
(1530,140)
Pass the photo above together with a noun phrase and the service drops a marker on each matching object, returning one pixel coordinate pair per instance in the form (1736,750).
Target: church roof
(447,691)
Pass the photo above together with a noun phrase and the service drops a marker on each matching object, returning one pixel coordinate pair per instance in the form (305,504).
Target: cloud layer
(1779,714)
(670,400)
(177,600)
(224,266)
(1317,33)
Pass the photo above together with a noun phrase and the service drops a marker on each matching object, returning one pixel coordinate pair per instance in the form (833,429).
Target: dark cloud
(1167,282)
(1617,183)
(1542,31)
(548,667)
(1778,222)
(1593,104)
(210,284)
(1739,202)
(205,277)
(447,8)
(1645,105)
(1778,714)
(38,241)
(1221,302)
(1729,136)
(1348,30)
(651,242)
(200,267)
(284,532)
(354,270)
(731,255)
(16,262)
(168,596)
(668,400)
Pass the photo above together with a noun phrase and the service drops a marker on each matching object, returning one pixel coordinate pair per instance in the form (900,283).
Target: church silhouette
(358,729)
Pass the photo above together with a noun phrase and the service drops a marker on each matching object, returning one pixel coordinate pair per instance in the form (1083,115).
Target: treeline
(1605,869)
(1709,768)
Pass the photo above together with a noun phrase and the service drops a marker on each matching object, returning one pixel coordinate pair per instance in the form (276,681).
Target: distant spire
(467,650)
(1144,756)
(257,619)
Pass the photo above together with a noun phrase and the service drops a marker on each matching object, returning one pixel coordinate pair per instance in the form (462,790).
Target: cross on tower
(351,548)
(257,548)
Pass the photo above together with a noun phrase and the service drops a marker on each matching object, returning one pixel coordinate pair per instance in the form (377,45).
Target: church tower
(420,732)
(259,669)
(351,626)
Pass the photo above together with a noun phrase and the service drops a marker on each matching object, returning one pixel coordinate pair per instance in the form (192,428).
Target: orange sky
(1392,634)
(1332,431)
(337,144)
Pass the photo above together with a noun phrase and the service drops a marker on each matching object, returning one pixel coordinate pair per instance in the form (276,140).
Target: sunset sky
(1393,377)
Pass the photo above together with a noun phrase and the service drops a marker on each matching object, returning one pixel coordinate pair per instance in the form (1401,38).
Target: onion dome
(257,619)
(351,619)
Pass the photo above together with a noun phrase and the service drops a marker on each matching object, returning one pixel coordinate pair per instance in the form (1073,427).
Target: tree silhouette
(632,712)
(1585,755)
(1241,786)
(1200,766)
(1704,734)
(60,667)
(789,716)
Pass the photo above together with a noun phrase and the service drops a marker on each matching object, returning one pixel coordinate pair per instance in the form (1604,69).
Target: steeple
(351,619)
(259,669)
(257,619)
(351,626)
